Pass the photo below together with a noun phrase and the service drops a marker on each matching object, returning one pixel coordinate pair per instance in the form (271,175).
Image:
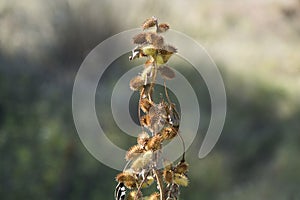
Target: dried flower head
(168,176)
(134,151)
(128,179)
(181,179)
(163,28)
(181,167)
(154,143)
(143,161)
(148,23)
(169,133)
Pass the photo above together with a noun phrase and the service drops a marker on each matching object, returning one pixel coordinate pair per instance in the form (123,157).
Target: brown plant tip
(181,179)
(148,23)
(134,151)
(142,162)
(181,168)
(166,72)
(125,176)
(136,83)
(163,28)
(168,133)
(154,143)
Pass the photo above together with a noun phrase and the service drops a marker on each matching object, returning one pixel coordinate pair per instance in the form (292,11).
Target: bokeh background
(255,44)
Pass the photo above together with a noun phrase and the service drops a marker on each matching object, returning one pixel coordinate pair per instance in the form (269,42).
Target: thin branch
(140,186)
(160,184)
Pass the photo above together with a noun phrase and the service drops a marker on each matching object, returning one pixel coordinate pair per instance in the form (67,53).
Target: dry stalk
(161,119)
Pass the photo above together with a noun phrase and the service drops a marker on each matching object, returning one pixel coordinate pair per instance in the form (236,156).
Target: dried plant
(159,122)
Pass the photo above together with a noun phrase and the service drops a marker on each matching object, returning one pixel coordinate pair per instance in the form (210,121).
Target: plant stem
(154,74)
(159,183)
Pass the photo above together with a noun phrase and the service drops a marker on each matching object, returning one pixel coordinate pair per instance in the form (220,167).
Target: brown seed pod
(163,28)
(168,133)
(168,176)
(181,167)
(166,72)
(148,23)
(145,105)
(136,83)
(134,151)
(154,143)
(128,179)
(142,161)
(181,179)
(145,121)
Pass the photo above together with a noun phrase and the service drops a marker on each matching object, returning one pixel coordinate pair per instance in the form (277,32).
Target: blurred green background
(255,44)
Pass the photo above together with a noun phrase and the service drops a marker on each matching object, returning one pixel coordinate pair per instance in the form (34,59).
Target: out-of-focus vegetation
(255,44)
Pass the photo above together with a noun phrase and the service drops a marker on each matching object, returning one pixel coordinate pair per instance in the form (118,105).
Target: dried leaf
(156,40)
(170,48)
(136,83)
(134,151)
(140,38)
(166,72)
